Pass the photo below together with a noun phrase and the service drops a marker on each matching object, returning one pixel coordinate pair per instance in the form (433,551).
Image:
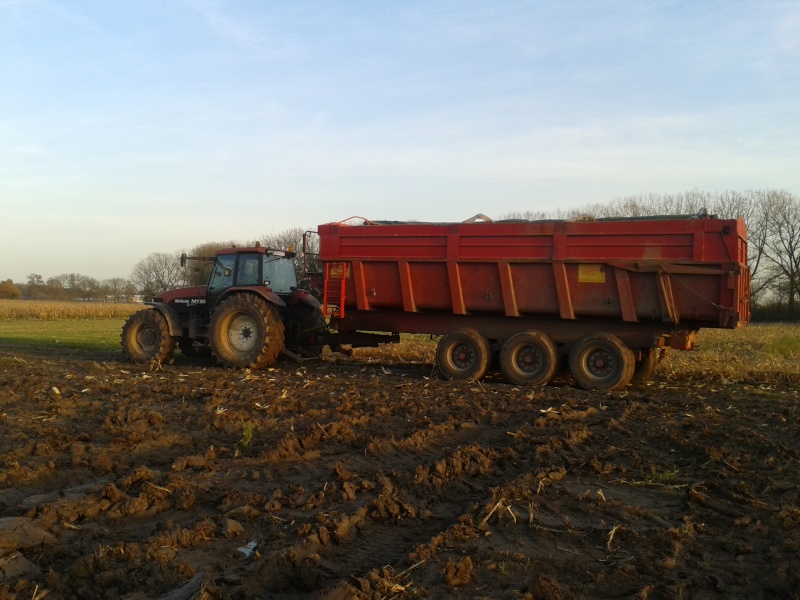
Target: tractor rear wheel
(145,337)
(246,331)
(306,323)
(529,358)
(601,361)
(463,354)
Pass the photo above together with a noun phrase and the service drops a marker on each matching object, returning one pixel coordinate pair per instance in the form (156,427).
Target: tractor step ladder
(334,288)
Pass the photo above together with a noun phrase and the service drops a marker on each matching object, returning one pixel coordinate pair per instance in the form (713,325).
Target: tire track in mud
(442,460)
(432,457)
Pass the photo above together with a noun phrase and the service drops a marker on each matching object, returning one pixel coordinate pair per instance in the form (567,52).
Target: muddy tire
(529,358)
(463,354)
(645,366)
(304,322)
(246,331)
(600,361)
(145,337)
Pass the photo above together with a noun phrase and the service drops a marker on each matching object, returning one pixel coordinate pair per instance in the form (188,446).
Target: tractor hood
(187,295)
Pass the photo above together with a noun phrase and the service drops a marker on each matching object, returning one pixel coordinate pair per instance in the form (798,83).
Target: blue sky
(151,126)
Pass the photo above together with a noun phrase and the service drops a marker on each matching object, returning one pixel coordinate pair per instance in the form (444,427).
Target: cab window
(222,275)
(248,269)
(279,272)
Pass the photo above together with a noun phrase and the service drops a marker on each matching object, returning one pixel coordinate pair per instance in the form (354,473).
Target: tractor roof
(258,248)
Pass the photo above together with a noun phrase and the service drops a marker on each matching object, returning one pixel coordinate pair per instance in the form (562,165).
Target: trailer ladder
(334,287)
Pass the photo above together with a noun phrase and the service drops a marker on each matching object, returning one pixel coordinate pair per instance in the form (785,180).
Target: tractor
(249,312)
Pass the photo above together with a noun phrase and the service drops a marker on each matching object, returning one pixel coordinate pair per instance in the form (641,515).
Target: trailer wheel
(645,367)
(145,337)
(600,361)
(246,331)
(529,358)
(463,354)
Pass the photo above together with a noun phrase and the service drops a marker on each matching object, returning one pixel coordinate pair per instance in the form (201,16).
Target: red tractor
(250,311)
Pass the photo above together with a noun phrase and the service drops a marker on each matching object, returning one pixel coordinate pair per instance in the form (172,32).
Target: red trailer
(603,296)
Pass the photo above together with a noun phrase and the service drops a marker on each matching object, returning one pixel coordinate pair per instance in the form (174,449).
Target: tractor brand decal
(190,301)
(591,274)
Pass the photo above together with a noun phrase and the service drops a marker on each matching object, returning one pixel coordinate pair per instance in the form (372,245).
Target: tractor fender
(266,293)
(300,296)
(171,315)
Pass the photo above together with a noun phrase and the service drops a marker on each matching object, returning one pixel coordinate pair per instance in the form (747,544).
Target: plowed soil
(340,480)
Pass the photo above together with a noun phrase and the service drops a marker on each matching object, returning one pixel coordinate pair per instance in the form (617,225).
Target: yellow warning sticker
(591,274)
(340,271)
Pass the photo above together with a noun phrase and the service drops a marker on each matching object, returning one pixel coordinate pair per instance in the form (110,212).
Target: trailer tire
(246,331)
(463,354)
(645,367)
(529,358)
(601,361)
(145,337)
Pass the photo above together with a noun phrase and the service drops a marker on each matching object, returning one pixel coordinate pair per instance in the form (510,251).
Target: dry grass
(50,310)
(760,354)
(411,349)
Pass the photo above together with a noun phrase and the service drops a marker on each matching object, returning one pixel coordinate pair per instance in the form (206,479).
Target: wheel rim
(528,360)
(242,333)
(462,356)
(146,338)
(600,363)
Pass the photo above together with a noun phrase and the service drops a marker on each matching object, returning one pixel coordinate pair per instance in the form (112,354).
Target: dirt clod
(355,480)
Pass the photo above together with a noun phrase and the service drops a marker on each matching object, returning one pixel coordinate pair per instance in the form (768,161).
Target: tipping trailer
(602,297)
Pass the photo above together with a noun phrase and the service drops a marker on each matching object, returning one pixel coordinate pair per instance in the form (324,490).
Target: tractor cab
(255,267)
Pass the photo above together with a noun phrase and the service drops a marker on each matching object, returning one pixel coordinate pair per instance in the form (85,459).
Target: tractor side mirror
(183,260)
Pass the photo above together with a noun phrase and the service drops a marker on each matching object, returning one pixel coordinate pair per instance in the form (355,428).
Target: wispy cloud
(250,33)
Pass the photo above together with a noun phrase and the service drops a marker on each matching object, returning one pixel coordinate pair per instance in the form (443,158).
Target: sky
(144,126)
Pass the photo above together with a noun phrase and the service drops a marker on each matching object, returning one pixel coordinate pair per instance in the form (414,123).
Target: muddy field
(355,479)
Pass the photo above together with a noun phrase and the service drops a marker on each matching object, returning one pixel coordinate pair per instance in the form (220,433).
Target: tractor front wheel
(145,337)
(246,331)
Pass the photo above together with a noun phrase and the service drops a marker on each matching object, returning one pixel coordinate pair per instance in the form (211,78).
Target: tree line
(70,286)
(772,218)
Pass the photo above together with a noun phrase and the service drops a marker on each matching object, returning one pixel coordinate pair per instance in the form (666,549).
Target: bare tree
(783,248)
(118,289)
(86,288)
(157,273)
(35,289)
(292,239)
(197,272)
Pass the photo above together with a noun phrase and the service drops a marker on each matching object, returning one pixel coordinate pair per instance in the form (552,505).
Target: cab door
(221,278)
